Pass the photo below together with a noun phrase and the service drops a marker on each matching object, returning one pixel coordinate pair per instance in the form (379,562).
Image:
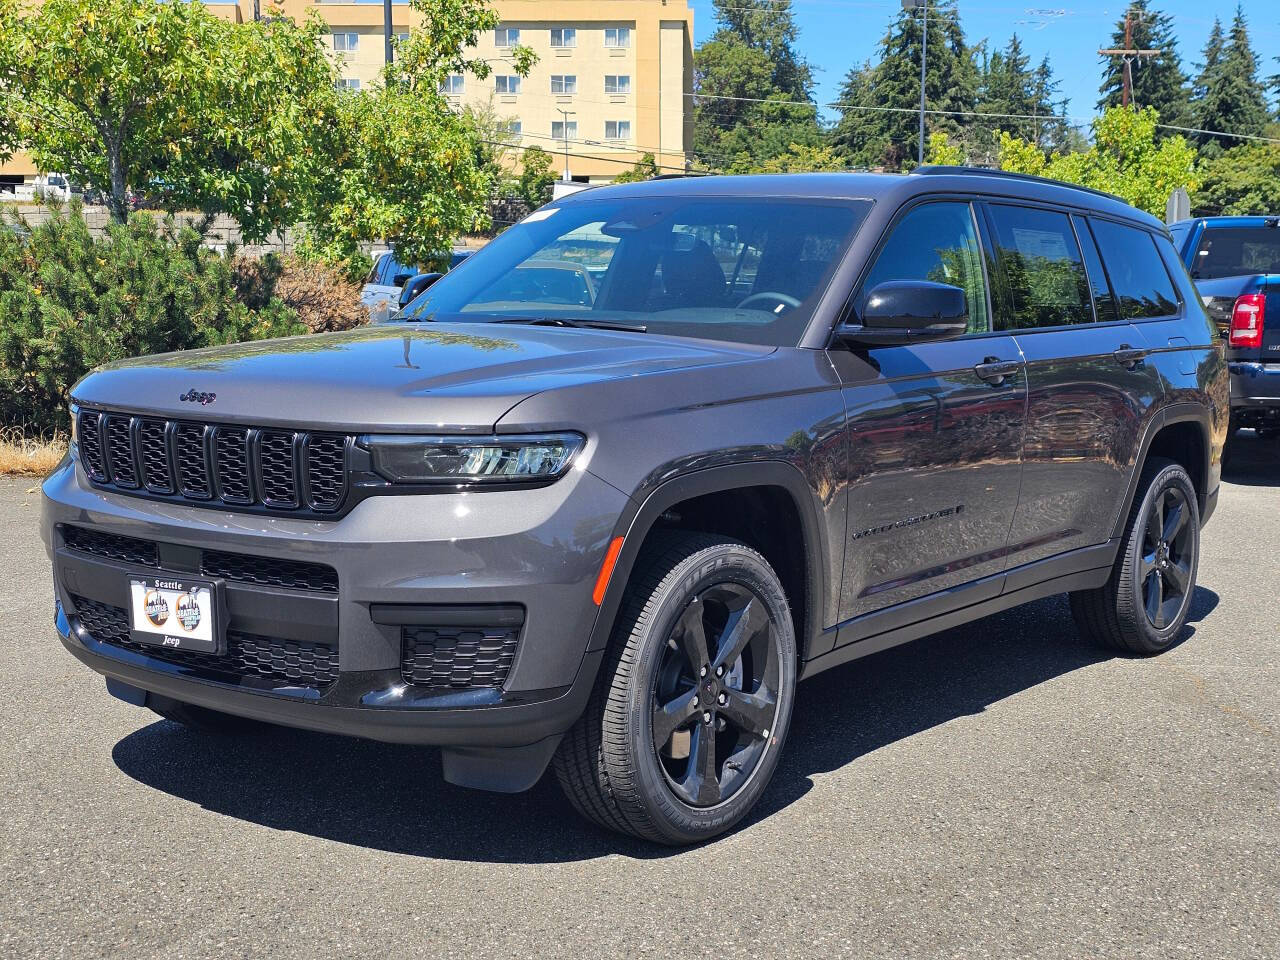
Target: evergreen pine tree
(1230,97)
(869,135)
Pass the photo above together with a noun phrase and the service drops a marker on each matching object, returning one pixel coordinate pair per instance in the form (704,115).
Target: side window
(1042,266)
(1104,304)
(1138,275)
(937,242)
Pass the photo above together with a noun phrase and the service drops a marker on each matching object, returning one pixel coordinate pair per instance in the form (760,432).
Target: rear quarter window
(1138,276)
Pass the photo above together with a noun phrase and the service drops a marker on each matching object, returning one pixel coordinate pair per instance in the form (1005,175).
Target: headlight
(472,459)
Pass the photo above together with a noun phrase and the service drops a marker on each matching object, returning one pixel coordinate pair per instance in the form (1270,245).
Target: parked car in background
(606,527)
(1235,264)
(386,281)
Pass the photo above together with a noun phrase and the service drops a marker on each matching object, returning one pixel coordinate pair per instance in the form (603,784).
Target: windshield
(749,270)
(1236,252)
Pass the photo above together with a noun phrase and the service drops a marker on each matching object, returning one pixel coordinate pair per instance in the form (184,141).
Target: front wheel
(681,738)
(1143,607)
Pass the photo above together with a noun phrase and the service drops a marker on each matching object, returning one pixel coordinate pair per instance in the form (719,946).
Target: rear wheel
(203,719)
(1143,607)
(683,734)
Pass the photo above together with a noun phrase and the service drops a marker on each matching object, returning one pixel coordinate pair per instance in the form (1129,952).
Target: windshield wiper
(568,322)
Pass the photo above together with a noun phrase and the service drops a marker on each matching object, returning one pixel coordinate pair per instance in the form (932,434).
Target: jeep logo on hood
(195,396)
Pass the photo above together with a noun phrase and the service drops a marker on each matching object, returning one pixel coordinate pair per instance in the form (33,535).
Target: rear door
(1089,385)
(935,431)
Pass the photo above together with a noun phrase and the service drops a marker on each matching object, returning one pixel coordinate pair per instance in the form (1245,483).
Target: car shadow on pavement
(393,797)
(1255,460)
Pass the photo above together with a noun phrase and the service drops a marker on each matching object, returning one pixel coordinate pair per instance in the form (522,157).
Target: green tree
(753,93)
(1019,97)
(1158,82)
(798,158)
(168,99)
(1244,180)
(869,135)
(646,168)
(1125,160)
(404,168)
(536,176)
(1230,98)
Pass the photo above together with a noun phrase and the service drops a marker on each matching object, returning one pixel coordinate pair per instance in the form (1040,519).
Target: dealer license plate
(177,614)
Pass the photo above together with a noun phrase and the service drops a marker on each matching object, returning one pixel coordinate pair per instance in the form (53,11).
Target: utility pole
(1129,54)
(564,125)
(923,7)
(386,28)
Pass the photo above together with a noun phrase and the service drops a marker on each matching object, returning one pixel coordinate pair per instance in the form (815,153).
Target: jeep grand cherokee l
(798,420)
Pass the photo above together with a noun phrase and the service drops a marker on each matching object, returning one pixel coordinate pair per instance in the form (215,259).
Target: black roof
(878,186)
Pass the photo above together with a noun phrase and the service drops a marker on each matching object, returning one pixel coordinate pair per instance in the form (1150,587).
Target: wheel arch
(731,481)
(1180,432)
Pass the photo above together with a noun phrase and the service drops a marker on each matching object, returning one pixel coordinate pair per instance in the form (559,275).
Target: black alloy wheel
(716,694)
(1168,552)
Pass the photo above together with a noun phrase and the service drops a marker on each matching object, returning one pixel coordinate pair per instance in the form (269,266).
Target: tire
(1143,607)
(203,719)
(693,596)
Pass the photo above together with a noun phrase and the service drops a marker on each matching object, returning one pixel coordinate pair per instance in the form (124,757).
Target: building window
(349,83)
(452,84)
(617,36)
(402,37)
(617,129)
(560,130)
(564,37)
(346,42)
(512,127)
(617,84)
(567,83)
(506,36)
(504,83)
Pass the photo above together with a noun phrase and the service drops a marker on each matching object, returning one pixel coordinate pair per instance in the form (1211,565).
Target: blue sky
(836,34)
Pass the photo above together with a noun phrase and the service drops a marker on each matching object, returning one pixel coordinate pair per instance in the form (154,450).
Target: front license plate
(177,614)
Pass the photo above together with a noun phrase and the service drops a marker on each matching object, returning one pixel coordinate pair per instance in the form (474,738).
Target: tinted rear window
(1042,267)
(1138,275)
(1236,252)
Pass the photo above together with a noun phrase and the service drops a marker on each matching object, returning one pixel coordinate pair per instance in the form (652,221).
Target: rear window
(1138,275)
(1042,267)
(1236,252)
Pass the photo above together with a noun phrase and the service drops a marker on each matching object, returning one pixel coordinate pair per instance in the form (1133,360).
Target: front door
(935,432)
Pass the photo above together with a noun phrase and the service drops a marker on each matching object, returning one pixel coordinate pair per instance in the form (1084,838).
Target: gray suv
(604,494)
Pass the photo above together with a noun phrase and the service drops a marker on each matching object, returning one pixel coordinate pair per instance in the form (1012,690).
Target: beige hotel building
(613,79)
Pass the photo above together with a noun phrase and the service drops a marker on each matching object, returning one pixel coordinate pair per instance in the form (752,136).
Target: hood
(454,377)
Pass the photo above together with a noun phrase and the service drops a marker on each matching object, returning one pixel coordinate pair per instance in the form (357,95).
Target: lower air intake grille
(260,661)
(269,571)
(454,657)
(111,546)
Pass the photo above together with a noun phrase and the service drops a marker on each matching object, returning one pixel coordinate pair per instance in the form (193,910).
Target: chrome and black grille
(261,661)
(239,467)
(446,657)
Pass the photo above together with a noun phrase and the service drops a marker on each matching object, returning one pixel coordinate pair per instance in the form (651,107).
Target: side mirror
(416,285)
(908,311)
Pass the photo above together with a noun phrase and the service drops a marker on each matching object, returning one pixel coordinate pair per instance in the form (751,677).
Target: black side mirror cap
(908,311)
(416,285)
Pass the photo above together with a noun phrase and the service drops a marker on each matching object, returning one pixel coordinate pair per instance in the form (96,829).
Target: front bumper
(399,561)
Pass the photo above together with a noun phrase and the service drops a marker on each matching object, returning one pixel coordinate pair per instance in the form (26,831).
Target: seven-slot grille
(216,463)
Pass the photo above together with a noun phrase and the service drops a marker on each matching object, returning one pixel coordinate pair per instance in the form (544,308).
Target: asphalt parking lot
(999,790)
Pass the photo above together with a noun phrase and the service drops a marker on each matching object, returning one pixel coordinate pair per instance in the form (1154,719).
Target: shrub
(69,302)
(323,296)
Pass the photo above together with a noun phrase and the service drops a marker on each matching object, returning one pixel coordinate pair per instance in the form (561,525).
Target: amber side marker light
(606,570)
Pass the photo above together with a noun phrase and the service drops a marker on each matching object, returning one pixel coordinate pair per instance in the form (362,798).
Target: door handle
(1129,357)
(996,371)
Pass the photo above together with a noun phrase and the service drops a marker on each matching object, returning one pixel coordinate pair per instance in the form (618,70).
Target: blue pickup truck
(1235,263)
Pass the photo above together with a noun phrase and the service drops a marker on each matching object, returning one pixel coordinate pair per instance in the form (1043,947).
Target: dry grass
(25,456)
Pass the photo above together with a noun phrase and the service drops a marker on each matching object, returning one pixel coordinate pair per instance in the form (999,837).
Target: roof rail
(681,176)
(930,170)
